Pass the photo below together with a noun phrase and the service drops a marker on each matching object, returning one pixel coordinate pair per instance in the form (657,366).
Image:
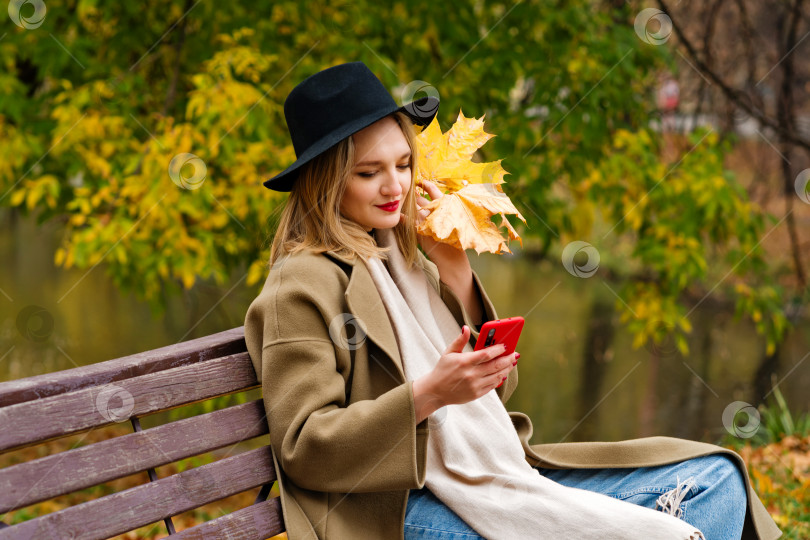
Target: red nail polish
(514,363)
(517,355)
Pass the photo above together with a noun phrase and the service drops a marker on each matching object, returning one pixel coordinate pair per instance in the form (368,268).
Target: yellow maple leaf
(472,191)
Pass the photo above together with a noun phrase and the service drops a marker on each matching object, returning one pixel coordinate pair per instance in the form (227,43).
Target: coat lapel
(366,304)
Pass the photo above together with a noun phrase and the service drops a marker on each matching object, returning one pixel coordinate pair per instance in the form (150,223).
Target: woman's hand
(438,252)
(451,261)
(460,377)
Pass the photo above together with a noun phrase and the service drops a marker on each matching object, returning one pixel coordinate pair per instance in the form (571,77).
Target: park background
(684,306)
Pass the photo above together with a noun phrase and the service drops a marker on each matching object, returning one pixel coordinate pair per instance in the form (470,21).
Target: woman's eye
(370,174)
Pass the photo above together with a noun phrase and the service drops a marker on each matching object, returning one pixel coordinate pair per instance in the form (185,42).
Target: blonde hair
(311,219)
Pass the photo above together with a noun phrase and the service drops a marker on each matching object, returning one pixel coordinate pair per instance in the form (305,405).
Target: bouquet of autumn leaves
(472,194)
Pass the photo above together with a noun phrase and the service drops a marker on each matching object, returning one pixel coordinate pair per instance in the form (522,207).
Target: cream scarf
(475,463)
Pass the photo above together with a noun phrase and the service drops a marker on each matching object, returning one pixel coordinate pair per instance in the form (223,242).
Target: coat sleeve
(322,442)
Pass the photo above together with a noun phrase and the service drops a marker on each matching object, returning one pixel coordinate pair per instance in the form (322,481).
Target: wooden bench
(55,405)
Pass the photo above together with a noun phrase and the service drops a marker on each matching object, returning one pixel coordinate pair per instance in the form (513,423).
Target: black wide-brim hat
(335,103)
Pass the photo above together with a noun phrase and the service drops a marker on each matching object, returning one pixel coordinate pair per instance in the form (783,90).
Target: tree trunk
(596,354)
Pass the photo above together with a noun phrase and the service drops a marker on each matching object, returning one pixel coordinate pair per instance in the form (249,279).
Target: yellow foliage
(33,196)
(763,482)
(685,324)
(462,216)
(17,197)
(445,158)
(582,216)
(219,221)
(595,177)
(574,66)
(121,253)
(622,138)
(257,272)
(188,279)
(639,339)
(682,345)
(641,310)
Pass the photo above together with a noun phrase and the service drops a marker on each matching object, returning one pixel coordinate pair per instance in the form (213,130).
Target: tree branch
(786,112)
(740,99)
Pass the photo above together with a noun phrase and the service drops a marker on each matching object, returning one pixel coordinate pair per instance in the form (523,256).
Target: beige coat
(346,447)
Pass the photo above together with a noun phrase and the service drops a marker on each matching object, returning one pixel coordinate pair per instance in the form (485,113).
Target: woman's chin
(387,222)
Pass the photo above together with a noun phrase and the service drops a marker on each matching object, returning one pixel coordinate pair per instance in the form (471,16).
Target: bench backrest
(54,405)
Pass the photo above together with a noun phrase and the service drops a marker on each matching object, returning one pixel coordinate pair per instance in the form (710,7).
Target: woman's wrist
(425,401)
(454,269)
(457,276)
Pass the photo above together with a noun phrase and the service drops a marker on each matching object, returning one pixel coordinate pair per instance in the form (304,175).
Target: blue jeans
(716,504)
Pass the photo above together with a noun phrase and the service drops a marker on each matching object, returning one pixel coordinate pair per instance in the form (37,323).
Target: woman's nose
(391,185)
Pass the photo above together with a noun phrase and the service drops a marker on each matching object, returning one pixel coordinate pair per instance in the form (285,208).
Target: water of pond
(569,392)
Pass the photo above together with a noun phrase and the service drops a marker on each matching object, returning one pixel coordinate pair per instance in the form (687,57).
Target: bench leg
(136,425)
(264,493)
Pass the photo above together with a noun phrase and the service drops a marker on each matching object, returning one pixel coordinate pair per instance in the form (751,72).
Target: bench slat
(152,502)
(188,352)
(57,416)
(76,469)
(261,520)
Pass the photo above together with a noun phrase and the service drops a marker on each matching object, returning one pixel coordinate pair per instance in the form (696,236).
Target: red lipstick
(390,207)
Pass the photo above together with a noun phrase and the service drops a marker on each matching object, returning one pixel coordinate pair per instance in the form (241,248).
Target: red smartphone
(505,331)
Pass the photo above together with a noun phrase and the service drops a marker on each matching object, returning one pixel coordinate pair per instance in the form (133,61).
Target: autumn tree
(147,129)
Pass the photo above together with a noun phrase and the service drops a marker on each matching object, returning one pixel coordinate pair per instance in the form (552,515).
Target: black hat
(335,103)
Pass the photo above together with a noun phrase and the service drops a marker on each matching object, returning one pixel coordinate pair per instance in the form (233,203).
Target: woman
(382,418)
